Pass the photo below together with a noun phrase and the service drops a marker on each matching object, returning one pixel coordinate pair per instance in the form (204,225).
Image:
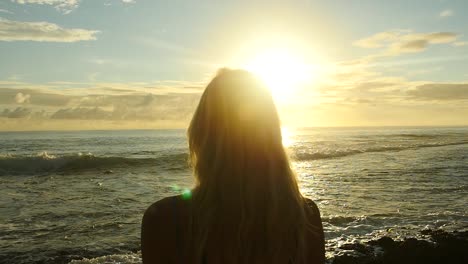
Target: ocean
(81,194)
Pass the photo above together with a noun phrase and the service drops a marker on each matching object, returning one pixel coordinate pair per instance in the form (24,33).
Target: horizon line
(289,127)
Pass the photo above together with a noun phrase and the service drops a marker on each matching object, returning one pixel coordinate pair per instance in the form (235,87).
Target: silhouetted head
(235,127)
(246,198)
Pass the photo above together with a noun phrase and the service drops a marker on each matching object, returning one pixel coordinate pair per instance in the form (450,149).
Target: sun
(281,70)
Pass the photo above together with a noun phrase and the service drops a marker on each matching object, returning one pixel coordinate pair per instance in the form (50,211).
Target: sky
(123,64)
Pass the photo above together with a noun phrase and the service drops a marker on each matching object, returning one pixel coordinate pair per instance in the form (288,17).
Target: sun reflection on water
(286,135)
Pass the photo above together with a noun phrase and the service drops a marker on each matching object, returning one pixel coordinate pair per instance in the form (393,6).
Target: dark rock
(383,242)
(358,247)
(426,231)
(355,260)
(445,247)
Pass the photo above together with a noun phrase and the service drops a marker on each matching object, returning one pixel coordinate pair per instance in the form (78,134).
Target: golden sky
(143,64)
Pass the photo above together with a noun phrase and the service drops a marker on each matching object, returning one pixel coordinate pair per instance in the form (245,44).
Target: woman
(246,206)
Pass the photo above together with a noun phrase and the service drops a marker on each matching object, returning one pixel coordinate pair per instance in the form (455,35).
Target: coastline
(439,247)
(432,246)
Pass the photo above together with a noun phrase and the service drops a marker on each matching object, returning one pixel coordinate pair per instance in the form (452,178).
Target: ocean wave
(418,136)
(45,163)
(305,155)
(342,220)
(437,189)
(129,258)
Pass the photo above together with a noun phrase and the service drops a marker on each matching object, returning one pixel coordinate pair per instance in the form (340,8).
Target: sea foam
(130,258)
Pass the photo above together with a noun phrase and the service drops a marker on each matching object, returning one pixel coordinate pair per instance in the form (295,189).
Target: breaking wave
(310,154)
(45,163)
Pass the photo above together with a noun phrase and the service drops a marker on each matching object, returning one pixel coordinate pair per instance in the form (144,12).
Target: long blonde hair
(246,202)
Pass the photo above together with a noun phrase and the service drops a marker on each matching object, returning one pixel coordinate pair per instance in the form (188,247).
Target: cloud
(375,85)
(359,97)
(440,92)
(122,1)
(460,43)
(34,97)
(95,113)
(64,6)
(411,46)
(110,102)
(404,41)
(19,112)
(379,39)
(22,98)
(437,37)
(5,11)
(350,85)
(42,31)
(419,42)
(446,13)
(132,107)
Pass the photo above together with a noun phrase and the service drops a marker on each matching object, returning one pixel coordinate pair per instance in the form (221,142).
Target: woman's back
(166,235)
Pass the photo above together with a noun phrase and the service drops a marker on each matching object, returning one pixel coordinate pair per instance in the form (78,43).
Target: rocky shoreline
(431,247)
(440,247)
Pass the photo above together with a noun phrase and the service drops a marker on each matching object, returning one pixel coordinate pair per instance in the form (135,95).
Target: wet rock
(443,247)
(384,242)
(358,247)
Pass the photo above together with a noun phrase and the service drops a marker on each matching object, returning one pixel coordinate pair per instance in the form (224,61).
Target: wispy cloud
(404,41)
(160,97)
(419,42)
(446,13)
(5,11)
(380,39)
(60,89)
(98,105)
(42,31)
(460,43)
(113,105)
(108,3)
(33,96)
(440,91)
(351,84)
(64,6)
(19,112)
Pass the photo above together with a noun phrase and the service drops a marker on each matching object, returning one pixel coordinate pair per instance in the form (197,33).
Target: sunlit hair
(246,203)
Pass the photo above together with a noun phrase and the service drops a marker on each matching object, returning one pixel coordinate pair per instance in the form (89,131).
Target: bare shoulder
(313,213)
(164,210)
(159,230)
(161,207)
(315,236)
(311,205)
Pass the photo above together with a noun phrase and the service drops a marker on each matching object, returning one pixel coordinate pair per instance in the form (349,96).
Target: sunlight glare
(286,136)
(281,70)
